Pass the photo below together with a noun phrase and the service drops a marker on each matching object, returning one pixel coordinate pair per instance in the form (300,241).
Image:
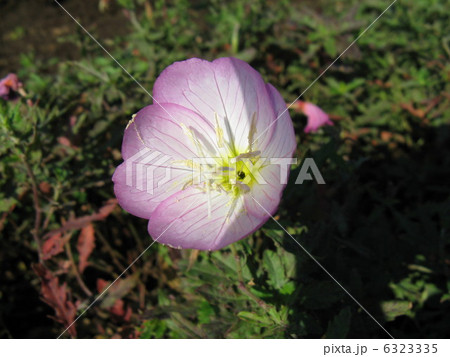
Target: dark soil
(40,26)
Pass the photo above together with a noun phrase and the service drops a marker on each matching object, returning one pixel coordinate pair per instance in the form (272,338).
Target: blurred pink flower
(222,111)
(9,86)
(316,116)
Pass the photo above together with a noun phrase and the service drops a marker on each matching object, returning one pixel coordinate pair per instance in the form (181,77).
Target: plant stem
(75,270)
(110,250)
(37,208)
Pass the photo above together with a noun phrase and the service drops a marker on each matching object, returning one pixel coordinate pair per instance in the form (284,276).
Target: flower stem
(37,208)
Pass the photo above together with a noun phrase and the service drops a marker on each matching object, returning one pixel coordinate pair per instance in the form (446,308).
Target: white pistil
(190,133)
(219,132)
(230,134)
(131,121)
(252,132)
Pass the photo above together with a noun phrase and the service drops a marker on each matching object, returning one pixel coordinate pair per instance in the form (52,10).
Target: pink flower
(198,166)
(9,86)
(316,116)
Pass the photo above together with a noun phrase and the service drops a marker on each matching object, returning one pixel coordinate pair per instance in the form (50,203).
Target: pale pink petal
(282,143)
(153,147)
(159,128)
(275,175)
(182,221)
(316,117)
(264,198)
(141,194)
(226,86)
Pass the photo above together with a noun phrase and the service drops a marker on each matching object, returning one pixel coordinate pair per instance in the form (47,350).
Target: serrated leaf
(85,246)
(228,263)
(275,269)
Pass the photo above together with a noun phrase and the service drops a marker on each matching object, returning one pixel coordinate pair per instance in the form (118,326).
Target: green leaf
(394,308)
(118,290)
(275,269)
(204,312)
(7,203)
(251,316)
(340,325)
(288,288)
(321,295)
(153,329)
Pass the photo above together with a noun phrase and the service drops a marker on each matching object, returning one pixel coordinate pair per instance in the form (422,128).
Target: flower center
(232,174)
(223,166)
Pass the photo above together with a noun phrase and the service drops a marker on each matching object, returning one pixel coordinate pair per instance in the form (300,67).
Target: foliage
(379,226)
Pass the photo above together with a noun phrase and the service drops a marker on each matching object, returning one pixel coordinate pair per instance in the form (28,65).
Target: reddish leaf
(80,222)
(271,64)
(101,285)
(106,210)
(45,187)
(64,141)
(117,308)
(85,246)
(53,246)
(56,296)
(128,313)
(410,108)
(73,120)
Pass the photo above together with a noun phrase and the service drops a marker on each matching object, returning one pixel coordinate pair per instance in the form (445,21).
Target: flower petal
(160,128)
(226,86)
(316,117)
(8,86)
(283,143)
(154,144)
(267,194)
(182,221)
(140,194)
